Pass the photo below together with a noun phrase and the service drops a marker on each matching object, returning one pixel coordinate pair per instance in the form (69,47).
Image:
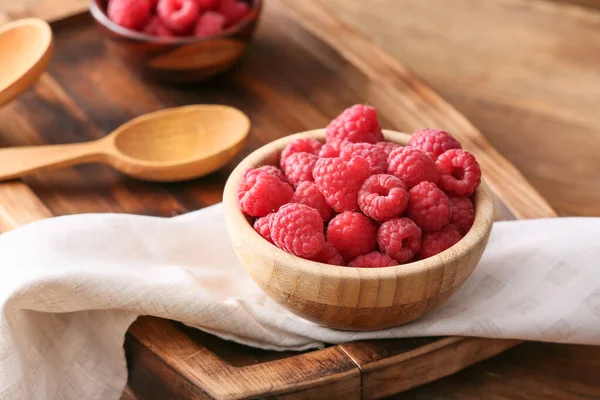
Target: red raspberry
(210,23)
(298,167)
(331,149)
(387,147)
(178,15)
(329,255)
(340,181)
(461,173)
(156,27)
(305,145)
(399,238)
(207,4)
(352,234)
(462,213)
(309,194)
(262,193)
(263,226)
(298,229)
(233,10)
(271,169)
(412,166)
(356,124)
(433,142)
(131,14)
(433,243)
(373,260)
(383,197)
(428,207)
(375,156)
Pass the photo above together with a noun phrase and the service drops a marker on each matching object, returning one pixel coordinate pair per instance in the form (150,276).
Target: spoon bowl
(25,49)
(173,144)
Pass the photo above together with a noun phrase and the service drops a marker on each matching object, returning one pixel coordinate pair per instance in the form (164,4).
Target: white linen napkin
(71,286)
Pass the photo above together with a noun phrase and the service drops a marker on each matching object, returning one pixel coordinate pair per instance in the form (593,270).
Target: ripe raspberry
(131,14)
(233,10)
(356,124)
(433,243)
(352,234)
(263,226)
(433,142)
(387,147)
(373,260)
(329,255)
(298,229)
(156,27)
(340,181)
(428,207)
(462,213)
(271,169)
(375,156)
(210,23)
(461,173)
(178,15)
(399,238)
(207,4)
(306,145)
(412,166)
(262,193)
(309,194)
(383,197)
(331,149)
(298,167)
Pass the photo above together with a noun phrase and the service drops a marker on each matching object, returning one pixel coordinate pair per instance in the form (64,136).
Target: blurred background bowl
(177,59)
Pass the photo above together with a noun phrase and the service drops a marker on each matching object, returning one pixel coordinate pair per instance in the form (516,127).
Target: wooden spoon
(169,145)
(25,50)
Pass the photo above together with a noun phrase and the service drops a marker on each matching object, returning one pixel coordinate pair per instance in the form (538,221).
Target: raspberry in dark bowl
(177,41)
(379,295)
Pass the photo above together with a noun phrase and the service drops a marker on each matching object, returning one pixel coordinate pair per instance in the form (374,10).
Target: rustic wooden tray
(303,69)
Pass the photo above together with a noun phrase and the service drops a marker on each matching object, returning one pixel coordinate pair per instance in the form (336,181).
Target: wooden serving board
(302,70)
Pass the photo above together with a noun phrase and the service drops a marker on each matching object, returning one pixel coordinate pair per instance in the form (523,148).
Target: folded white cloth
(71,286)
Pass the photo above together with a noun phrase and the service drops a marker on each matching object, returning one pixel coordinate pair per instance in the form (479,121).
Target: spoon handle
(20,161)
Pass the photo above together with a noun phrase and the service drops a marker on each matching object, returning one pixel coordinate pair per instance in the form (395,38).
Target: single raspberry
(263,226)
(433,142)
(433,243)
(412,166)
(207,4)
(352,234)
(356,124)
(340,181)
(309,194)
(332,149)
(178,15)
(387,147)
(306,145)
(373,260)
(233,10)
(428,207)
(383,197)
(461,173)
(399,238)
(375,156)
(210,23)
(262,193)
(462,213)
(131,14)
(329,255)
(298,229)
(298,167)
(271,169)
(156,27)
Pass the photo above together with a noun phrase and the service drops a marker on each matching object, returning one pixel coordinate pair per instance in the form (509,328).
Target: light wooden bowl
(344,297)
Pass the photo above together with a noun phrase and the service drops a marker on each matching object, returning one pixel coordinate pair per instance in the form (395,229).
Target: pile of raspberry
(359,201)
(200,18)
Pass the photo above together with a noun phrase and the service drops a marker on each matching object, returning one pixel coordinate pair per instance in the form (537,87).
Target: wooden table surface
(526,73)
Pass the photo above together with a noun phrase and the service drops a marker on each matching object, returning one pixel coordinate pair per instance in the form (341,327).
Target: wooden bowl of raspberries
(356,228)
(177,41)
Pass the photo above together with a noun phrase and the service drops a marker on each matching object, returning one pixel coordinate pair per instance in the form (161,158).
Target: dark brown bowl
(177,59)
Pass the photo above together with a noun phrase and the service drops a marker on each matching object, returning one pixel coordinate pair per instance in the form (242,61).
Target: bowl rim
(484,217)
(100,16)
